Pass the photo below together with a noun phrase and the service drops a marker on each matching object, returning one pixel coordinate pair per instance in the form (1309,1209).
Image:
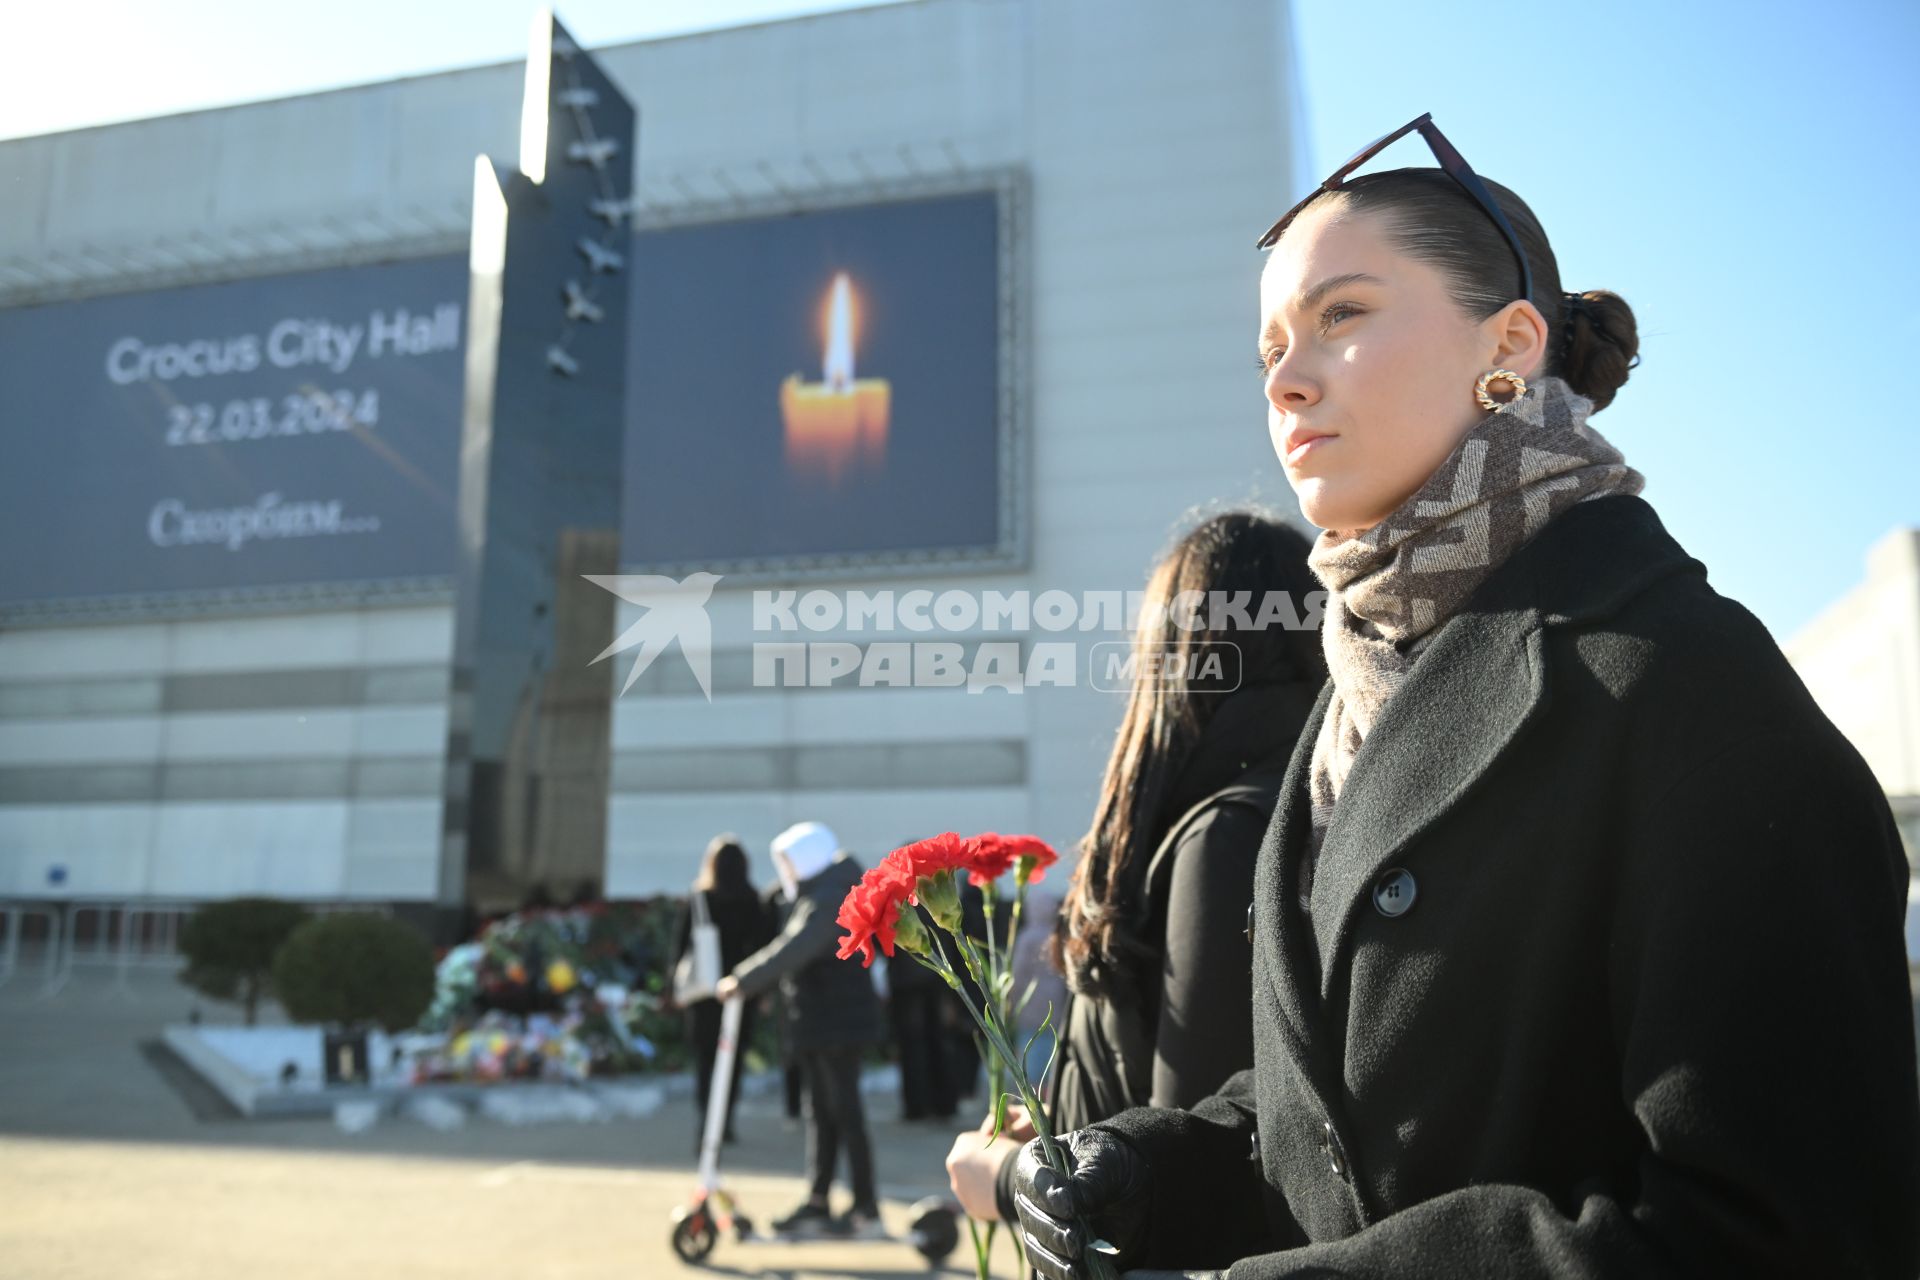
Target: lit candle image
(840,420)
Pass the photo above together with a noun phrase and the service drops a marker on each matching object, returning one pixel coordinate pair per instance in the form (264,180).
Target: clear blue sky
(1746,174)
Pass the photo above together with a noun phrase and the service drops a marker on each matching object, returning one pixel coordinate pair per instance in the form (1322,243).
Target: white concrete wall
(345,847)
(1158,145)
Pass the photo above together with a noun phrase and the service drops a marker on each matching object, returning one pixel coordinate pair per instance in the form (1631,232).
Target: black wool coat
(1181,1029)
(1639,1006)
(830,1003)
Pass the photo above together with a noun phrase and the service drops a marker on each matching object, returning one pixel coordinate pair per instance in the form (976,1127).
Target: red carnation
(993,856)
(932,863)
(867,916)
(1032,855)
(1036,855)
(894,877)
(871,910)
(944,852)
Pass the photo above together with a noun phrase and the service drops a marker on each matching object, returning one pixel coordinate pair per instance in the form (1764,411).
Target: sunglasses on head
(1450,162)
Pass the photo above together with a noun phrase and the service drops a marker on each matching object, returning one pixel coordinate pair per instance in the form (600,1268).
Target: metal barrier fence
(122,936)
(15,918)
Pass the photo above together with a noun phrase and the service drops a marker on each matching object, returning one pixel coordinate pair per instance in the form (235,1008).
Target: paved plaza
(115,1167)
(109,1171)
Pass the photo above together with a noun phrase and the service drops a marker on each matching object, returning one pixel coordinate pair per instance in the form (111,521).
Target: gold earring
(1499,375)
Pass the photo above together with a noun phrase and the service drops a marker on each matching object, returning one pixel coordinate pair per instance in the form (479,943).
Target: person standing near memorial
(832,1017)
(744,926)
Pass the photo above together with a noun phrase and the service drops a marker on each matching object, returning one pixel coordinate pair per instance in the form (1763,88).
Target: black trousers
(836,1119)
(963,1056)
(929,1084)
(794,1083)
(703,1032)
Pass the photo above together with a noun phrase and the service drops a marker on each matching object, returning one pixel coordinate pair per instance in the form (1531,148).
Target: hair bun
(1601,344)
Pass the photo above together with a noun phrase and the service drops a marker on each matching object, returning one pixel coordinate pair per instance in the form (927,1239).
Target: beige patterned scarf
(1391,587)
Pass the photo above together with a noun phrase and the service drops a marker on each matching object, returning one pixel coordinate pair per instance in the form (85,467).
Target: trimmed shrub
(230,947)
(355,968)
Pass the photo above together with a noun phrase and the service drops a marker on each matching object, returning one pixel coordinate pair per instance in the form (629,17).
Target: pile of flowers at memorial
(557,994)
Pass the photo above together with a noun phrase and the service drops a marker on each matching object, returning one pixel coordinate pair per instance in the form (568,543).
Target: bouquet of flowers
(503,1047)
(556,993)
(925,874)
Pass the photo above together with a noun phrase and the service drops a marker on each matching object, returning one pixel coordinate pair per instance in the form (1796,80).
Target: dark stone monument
(530,712)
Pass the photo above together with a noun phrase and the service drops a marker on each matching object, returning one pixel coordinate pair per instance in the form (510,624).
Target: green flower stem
(1017,1069)
(974,967)
(1098,1264)
(997,963)
(990,992)
(1013,924)
(996,1069)
(998,1042)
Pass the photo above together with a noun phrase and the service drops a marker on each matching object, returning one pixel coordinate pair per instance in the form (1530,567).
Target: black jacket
(1640,1008)
(1184,1031)
(830,1002)
(746,924)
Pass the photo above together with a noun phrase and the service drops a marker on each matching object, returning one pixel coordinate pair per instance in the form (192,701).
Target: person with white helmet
(832,1016)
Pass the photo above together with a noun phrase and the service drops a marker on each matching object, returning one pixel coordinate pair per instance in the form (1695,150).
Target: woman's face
(1370,365)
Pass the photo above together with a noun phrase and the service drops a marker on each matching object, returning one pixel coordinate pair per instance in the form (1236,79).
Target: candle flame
(838,370)
(838,423)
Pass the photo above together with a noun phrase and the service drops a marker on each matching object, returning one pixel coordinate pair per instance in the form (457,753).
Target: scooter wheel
(694,1237)
(934,1231)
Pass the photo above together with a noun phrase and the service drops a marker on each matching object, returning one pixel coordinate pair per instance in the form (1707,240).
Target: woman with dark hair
(745,926)
(1576,940)
(1226,665)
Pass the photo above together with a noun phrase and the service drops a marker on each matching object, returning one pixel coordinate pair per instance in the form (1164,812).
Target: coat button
(1254,1154)
(1395,892)
(1330,1147)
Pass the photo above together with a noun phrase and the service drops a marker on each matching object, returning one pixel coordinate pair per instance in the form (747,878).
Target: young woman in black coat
(745,925)
(1158,1007)
(1577,933)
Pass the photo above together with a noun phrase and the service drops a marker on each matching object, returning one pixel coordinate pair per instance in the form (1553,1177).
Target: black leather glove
(1108,1195)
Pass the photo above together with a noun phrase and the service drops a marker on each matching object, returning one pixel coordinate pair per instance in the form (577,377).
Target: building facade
(289,737)
(1860,659)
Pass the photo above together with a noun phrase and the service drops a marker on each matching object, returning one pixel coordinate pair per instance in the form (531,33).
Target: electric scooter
(698,1225)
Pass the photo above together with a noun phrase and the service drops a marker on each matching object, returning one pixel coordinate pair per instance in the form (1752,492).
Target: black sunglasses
(1450,162)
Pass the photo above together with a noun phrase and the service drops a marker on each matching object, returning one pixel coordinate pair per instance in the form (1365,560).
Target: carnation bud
(941,897)
(909,934)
